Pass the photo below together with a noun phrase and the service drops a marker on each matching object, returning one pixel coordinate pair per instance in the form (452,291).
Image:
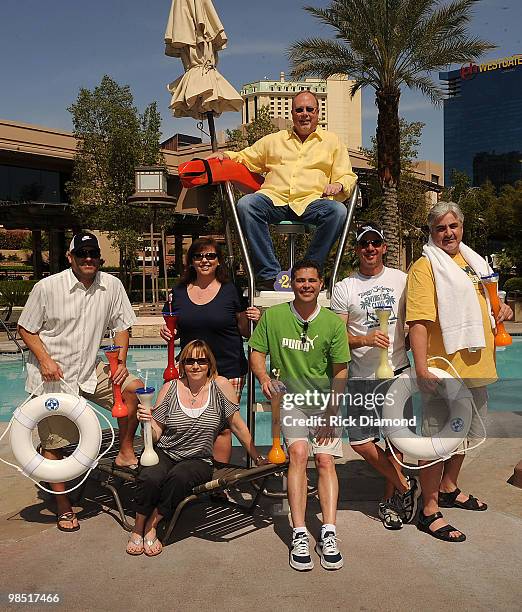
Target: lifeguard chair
(229,174)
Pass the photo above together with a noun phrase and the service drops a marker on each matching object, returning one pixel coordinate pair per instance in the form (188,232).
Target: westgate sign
(468,71)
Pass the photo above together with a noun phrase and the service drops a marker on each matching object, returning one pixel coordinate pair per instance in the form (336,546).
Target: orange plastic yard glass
(119,409)
(502,338)
(276,454)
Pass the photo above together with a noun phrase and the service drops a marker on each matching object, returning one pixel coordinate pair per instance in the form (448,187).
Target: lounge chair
(224,477)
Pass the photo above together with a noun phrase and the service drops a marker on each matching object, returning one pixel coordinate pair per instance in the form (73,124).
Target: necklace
(195,395)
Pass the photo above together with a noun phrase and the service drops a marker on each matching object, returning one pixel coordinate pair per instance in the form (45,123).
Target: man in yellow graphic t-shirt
(436,287)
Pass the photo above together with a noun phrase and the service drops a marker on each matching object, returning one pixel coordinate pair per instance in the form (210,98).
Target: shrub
(513,284)
(14,293)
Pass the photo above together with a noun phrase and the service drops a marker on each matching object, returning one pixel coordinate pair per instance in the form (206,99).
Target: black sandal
(69,517)
(449,500)
(442,533)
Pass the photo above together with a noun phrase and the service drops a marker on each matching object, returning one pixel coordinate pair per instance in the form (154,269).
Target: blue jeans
(256,212)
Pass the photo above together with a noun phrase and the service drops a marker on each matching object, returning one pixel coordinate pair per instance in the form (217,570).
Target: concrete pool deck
(223,559)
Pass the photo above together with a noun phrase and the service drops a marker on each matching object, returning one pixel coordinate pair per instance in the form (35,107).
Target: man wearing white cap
(354,299)
(62,324)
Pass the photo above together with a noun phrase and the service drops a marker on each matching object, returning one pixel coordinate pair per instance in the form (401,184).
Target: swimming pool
(145,362)
(504,396)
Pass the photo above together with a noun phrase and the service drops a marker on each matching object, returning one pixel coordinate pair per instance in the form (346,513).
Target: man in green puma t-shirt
(309,347)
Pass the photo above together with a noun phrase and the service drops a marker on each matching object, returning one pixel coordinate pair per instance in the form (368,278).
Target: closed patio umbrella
(195,34)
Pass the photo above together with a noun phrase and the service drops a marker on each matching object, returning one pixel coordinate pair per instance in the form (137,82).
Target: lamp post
(151,191)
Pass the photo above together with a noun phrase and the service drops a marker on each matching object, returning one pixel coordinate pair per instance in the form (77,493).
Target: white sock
(327,527)
(299,530)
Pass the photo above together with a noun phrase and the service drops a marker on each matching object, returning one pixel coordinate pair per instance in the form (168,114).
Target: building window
(435,178)
(21,184)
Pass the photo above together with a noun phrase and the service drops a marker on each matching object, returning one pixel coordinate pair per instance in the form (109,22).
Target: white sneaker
(300,558)
(326,548)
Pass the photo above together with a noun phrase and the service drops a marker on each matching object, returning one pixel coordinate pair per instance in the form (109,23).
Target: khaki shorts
(58,431)
(435,415)
(294,428)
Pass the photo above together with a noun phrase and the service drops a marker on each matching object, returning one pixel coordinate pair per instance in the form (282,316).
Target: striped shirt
(71,322)
(185,437)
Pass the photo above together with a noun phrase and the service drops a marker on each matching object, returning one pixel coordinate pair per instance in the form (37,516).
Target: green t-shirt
(303,365)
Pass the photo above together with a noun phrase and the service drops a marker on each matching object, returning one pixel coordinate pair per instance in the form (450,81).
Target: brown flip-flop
(67,516)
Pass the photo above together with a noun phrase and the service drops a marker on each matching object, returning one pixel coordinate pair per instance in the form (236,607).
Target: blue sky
(51,48)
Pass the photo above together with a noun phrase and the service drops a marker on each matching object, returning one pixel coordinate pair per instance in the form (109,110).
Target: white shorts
(299,425)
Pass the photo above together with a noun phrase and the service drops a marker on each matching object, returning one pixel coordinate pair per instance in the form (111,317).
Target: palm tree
(389,44)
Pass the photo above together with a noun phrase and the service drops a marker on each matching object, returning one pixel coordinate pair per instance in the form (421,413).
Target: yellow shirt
(297,172)
(476,368)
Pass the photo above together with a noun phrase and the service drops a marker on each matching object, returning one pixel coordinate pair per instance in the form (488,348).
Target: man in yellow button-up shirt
(308,175)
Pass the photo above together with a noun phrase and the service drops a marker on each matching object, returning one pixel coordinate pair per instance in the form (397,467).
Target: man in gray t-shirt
(354,299)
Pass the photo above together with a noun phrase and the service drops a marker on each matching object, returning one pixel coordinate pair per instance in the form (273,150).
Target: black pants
(168,482)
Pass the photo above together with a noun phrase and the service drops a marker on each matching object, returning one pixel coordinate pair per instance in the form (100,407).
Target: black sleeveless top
(216,324)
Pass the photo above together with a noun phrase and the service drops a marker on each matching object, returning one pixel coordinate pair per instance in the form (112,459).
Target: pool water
(504,395)
(145,362)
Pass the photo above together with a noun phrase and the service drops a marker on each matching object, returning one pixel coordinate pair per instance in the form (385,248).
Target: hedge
(513,284)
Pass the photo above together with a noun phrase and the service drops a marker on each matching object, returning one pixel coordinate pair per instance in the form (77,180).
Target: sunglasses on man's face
(190,361)
(364,244)
(207,256)
(84,253)
(309,109)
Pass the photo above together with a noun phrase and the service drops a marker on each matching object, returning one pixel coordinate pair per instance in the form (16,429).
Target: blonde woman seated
(189,414)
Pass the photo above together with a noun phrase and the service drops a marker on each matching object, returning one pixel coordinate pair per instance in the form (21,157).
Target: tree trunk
(389,168)
(391,227)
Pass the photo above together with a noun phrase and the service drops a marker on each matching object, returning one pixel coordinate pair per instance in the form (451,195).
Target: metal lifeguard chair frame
(255,298)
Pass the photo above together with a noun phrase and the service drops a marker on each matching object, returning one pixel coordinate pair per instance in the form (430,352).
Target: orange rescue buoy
(198,172)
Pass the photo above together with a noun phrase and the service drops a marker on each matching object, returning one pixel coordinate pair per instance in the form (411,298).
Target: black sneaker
(300,558)
(389,514)
(265,284)
(326,548)
(410,500)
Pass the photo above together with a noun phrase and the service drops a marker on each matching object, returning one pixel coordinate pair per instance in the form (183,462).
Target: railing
(352,203)
(12,337)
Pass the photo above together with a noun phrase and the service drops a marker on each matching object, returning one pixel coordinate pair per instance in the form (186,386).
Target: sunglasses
(207,256)
(364,244)
(84,253)
(309,109)
(304,332)
(190,361)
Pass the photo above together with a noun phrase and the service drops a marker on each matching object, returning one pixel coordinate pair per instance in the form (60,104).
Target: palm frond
(427,86)
(316,56)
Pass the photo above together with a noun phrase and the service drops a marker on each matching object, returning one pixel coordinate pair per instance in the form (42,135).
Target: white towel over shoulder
(459,311)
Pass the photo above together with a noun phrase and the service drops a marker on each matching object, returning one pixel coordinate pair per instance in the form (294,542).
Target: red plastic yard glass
(119,409)
(171,372)
(502,338)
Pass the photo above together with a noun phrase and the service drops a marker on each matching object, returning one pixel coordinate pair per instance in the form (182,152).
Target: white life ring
(448,439)
(26,418)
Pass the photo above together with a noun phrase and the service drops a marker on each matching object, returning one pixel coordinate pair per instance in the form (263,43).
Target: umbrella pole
(164,245)
(228,231)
